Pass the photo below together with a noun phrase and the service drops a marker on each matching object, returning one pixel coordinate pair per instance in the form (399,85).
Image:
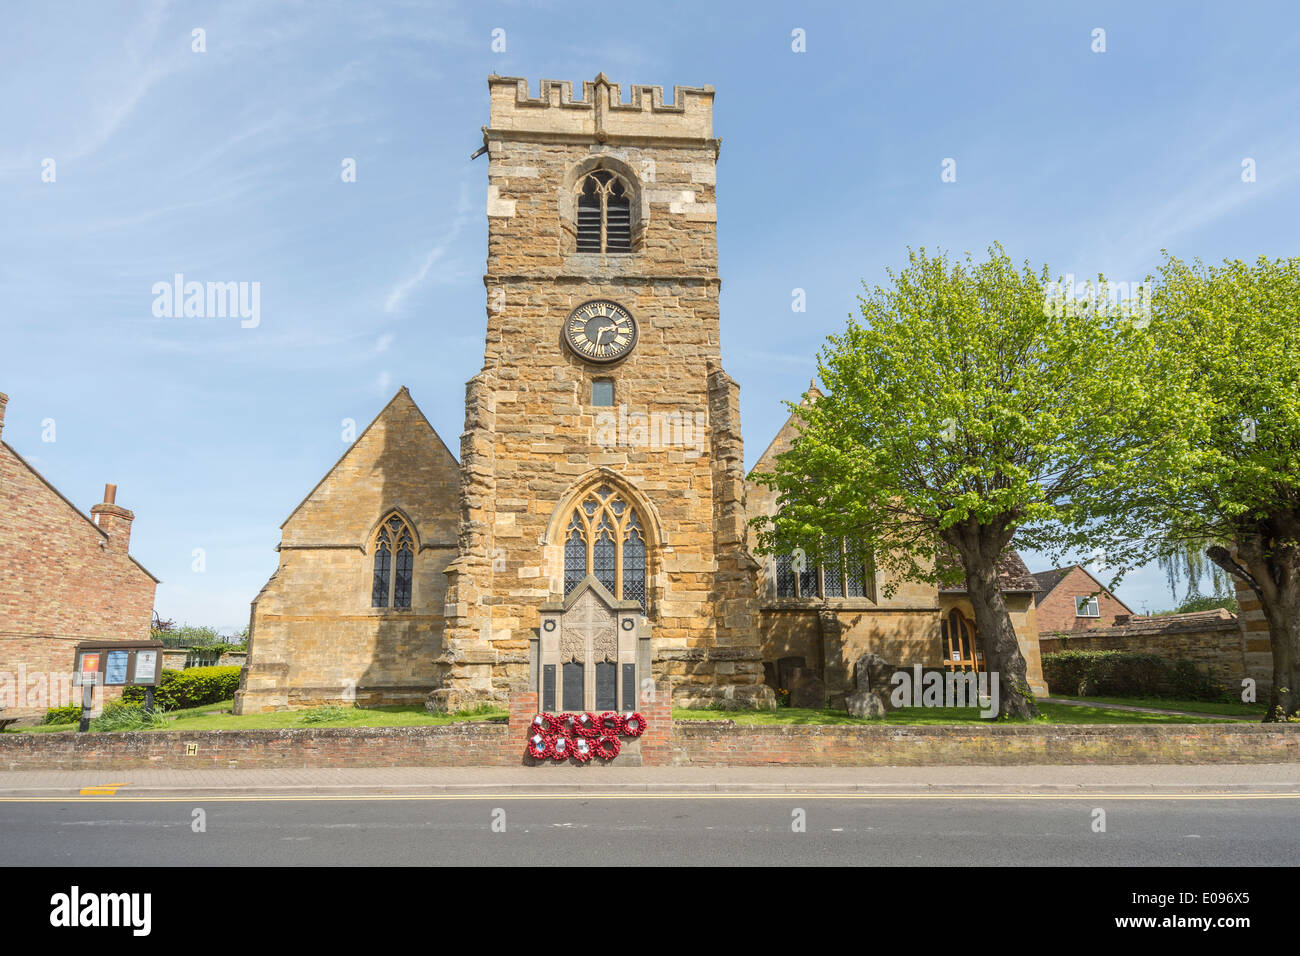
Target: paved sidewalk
(590,779)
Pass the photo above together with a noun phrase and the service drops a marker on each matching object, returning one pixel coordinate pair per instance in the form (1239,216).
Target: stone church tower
(602,523)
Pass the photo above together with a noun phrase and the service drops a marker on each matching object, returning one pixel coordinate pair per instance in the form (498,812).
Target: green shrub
(62,715)
(120,715)
(1188,683)
(136,694)
(192,687)
(324,715)
(1126,674)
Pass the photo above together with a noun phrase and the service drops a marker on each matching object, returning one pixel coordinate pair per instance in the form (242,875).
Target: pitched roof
(1013,577)
(79,513)
(786,434)
(356,443)
(1048,580)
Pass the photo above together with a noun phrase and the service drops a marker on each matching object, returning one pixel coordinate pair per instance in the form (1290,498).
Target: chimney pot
(113,520)
(4,400)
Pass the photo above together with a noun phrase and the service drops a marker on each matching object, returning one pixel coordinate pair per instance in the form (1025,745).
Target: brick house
(1071,599)
(65,577)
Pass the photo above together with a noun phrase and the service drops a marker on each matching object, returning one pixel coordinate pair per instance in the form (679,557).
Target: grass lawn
(934,716)
(218,717)
(1231,708)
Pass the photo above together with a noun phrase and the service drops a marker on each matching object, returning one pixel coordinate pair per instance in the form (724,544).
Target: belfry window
(604,213)
(605,537)
(394,561)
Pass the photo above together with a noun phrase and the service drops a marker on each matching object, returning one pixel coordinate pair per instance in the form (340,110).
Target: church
(592,541)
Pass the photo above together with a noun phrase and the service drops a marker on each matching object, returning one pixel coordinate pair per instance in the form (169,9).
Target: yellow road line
(103,789)
(363,798)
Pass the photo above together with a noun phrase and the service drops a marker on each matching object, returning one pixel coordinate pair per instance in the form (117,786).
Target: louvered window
(604,213)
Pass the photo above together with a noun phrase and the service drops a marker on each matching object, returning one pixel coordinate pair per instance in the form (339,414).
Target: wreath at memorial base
(548,725)
(581,736)
(631,724)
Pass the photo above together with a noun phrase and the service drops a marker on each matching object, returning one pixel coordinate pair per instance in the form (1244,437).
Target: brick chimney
(113,520)
(4,400)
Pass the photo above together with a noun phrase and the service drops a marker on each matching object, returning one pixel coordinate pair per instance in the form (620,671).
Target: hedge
(191,687)
(1126,674)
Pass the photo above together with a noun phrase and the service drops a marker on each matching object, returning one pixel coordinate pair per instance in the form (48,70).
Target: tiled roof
(1013,576)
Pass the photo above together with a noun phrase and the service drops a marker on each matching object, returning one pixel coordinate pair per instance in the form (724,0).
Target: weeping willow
(1185,561)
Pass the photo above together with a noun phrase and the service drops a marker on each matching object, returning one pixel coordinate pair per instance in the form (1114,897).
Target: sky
(130,155)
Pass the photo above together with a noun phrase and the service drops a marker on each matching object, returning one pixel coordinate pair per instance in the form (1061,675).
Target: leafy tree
(963,409)
(1186,561)
(1203,602)
(1229,337)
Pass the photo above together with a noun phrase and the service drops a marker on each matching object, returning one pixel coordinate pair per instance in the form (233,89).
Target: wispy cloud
(399,292)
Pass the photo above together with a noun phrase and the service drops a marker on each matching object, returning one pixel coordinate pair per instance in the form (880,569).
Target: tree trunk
(993,629)
(1272,569)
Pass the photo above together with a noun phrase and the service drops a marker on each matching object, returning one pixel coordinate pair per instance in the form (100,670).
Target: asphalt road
(635,829)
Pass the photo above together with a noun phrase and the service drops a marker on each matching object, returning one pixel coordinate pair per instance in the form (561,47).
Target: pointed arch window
(606,537)
(604,213)
(961,650)
(394,563)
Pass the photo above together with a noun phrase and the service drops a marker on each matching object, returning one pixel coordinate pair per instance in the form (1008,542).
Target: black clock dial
(600,331)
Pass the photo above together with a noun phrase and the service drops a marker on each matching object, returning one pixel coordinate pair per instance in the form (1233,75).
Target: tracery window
(394,550)
(604,213)
(606,537)
(846,569)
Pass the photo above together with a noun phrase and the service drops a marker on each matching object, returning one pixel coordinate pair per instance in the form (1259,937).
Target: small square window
(1086,607)
(602,392)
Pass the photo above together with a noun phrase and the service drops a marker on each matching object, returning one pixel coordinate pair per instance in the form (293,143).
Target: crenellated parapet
(600,114)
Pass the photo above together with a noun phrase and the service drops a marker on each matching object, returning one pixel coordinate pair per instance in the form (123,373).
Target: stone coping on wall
(718,743)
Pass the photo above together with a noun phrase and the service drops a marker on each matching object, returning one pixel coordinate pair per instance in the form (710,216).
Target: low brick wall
(215,749)
(722,744)
(681,743)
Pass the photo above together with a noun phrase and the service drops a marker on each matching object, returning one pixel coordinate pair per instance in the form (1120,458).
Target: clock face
(600,331)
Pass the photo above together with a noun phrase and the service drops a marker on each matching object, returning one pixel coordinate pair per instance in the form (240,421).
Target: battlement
(600,114)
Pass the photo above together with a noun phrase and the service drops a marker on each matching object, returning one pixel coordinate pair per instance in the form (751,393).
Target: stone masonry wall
(1216,644)
(314,637)
(533,440)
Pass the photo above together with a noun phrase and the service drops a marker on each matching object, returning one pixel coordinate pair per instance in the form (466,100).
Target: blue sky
(225,166)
